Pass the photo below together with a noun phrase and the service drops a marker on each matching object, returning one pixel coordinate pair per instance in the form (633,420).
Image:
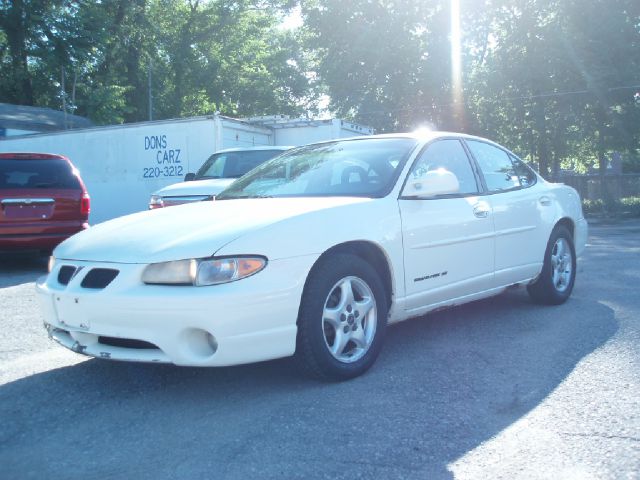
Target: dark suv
(42,201)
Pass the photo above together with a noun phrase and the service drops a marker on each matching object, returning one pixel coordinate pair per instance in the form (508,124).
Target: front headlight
(203,271)
(179,272)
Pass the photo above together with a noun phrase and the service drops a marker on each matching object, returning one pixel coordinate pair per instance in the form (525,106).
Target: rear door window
(37,174)
(496,166)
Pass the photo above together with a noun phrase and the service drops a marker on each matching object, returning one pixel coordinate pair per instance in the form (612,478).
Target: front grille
(66,274)
(99,278)
(127,343)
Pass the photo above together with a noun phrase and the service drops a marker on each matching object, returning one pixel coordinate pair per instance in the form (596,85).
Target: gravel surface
(500,388)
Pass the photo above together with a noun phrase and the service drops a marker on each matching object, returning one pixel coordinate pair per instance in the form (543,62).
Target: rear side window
(43,174)
(499,171)
(526,176)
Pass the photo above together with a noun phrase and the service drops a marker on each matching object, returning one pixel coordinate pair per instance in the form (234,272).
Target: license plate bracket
(70,312)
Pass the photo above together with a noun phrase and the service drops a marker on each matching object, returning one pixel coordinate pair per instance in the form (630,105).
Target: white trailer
(300,131)
(123,165)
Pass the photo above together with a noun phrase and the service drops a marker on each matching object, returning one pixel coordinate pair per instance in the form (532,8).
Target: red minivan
(42,201)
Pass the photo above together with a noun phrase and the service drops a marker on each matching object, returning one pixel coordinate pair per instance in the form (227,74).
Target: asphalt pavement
(501,388)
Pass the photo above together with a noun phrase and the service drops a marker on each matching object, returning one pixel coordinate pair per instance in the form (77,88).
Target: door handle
(545,201)
(481,210)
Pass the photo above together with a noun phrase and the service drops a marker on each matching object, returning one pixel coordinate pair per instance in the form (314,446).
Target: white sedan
(219,171)
(313,253)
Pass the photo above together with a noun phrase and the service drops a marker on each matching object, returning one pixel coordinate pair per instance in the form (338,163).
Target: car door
(519,208)
(448,240)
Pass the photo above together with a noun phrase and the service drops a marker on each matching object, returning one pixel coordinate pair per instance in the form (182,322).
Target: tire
(342,319)
(555,283)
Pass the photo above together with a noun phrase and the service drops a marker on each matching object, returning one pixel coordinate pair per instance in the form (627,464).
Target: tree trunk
(135,78)
(541,127)
(15,30)
(607,198)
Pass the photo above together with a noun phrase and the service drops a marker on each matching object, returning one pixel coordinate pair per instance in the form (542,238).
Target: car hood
(194,230)
(212,186)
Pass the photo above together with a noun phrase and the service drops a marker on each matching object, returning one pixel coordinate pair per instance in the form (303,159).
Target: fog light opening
(199,343)
(211,341)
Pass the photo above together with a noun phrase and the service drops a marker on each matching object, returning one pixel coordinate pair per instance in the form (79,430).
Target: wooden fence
(612,187)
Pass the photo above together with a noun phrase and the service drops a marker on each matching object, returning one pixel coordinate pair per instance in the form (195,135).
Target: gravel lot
(500,388)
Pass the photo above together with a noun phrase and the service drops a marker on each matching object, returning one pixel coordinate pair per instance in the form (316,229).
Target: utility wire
(522,97)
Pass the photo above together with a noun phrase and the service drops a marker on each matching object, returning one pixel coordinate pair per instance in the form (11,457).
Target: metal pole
(64,99)
(150,93)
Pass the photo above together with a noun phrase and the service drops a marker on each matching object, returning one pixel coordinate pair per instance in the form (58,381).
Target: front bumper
(250,320)
(581,234)
(35,236)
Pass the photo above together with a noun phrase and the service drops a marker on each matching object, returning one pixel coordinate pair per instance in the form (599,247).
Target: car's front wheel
(342,319)
(555,283)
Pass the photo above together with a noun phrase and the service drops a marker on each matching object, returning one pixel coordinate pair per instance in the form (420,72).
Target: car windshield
(234,164)
(363,167)
(37,173)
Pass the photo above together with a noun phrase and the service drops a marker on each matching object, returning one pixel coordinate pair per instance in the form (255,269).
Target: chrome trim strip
(470,238)
(186,198)
(511,231)
(27,201)
(453,241)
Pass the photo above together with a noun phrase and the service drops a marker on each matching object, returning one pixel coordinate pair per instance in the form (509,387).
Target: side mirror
(189,177)
(435,182)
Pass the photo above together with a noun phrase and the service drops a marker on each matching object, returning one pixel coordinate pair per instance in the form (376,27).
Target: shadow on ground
(443,385)
(21,267)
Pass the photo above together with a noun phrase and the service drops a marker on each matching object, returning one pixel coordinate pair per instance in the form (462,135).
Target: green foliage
(541,76)
(199,57)
(379,58)
(631,162)
(106,104)
(552,80)
(555,72)
(624,207)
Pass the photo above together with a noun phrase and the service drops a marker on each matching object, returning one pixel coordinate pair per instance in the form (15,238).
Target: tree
(98,58)
(550,84)
(383,61)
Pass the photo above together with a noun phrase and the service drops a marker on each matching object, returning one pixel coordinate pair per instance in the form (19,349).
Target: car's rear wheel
(555,283)
(342,319)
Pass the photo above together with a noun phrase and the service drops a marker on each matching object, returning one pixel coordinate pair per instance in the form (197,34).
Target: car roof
(253,149)
(32,156)
(421,135)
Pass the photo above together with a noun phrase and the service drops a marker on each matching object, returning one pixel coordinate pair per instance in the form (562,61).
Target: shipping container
(123,165)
